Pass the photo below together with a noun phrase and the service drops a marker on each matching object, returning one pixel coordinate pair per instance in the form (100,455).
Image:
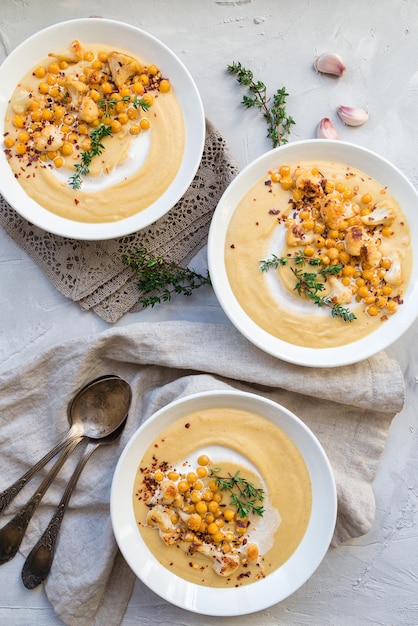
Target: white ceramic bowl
(142,44)
(316,149)
(234,601)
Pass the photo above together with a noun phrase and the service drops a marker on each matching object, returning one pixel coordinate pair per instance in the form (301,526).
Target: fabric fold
(349,409)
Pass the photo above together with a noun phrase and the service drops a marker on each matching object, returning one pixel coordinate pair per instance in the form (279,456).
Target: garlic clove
(330,63)
(326,130)
(352,116)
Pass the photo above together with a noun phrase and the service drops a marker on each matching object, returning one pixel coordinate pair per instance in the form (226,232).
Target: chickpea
(183,486)
(135,129)
(40,71)
(164,86)
(191,477)
(286,182)
(145,124)
(201,507)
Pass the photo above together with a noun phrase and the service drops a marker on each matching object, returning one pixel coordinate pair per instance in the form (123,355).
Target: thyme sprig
(244,496)
(162,278)
(96,136)
(86,157)
(308,284)
(108,104)
(278,121)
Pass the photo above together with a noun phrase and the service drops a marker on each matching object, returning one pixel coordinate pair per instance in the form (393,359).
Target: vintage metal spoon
(101,409)
(39,561)
(82,425)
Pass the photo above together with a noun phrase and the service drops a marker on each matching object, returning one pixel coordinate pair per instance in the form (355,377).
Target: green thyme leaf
(278,121)
(244,496)
(86,157)
(161,279)
(308,284)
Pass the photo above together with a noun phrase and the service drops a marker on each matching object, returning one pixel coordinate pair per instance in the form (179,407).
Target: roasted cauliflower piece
(252,552)
(49,139)
(223,564)
(94,76)
(394,273)
(354,240)
(339,293)
(383,213)
(159,517)
(123,67)
(335,212)
(310,184)
(371,252)
(168,491)
(75,89)
(359,243)
(72,53)
(88,111)
(192,520)
(21,101)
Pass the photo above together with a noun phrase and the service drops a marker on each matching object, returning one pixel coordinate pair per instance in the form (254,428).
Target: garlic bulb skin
(326,130)
(352,116)
(330,63)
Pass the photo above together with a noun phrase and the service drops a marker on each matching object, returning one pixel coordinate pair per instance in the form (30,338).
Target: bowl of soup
(102,129)
(311,253)
(223,503)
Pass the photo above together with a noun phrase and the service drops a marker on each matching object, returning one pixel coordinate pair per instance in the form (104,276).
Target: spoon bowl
(100,407)
(97,409)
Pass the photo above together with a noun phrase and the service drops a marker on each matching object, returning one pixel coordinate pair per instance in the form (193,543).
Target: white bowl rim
(14,194)
(347,354)
(250,598)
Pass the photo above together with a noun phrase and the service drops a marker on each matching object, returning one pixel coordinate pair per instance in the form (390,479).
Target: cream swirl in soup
(222,497)
(94,134)
(318,254)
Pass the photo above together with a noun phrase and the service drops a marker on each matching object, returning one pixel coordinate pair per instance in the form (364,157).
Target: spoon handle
(12,533)
(39,561)
(9,494)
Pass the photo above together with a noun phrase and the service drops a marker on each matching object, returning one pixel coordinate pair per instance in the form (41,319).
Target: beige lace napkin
(349,409)
(92,273)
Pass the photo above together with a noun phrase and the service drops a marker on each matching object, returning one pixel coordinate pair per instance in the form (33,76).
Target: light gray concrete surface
(370,581)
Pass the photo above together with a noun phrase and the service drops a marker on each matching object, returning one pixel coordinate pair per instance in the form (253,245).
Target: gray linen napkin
(349,409)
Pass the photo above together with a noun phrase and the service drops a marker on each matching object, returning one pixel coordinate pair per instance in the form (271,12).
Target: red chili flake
(232,246)
(274,212)
(257,223)
(76,201)
(187,425)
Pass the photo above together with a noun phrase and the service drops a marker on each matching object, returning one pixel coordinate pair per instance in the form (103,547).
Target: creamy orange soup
(335,223)
(193,526)
(59,108)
